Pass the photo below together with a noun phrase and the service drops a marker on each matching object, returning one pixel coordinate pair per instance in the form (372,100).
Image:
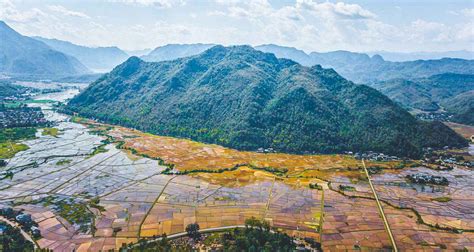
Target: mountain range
(175,51)
(453,93)
(403,56)
(357,67)
(97,59)
(23,56)
(245,99)
(362,68)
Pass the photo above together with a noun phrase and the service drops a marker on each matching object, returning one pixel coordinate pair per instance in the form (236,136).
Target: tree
(193,231)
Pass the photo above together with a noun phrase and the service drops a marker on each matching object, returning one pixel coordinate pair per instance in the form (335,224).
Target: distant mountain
(246,99)
(287,53)
(24,56)
(138,53)
(175,51)
(98,59)
(462,106)
(361,68)
(454,92)
(399,56)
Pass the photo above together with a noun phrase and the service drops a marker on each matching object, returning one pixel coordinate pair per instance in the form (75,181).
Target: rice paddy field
(140,185)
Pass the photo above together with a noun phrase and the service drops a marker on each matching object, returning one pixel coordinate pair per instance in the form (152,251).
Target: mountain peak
(243,98)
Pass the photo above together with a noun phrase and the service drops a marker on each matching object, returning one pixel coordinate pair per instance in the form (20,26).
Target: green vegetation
(8,89)
(9,149)
(256,236)
(277,171)
(193,231)
(75,212)
(453,92)
(15,134)
(245,99)
(64,162)
(50,132)
(22,103)
(315,186)
(94,203)
(347,188)
(442,199)
(11,239)
(8,138)
(99,149)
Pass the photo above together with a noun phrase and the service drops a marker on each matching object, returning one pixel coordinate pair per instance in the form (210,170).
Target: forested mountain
(24,56)
(175,51)
(246,99)
(98,59)
(451,92)
(361,68)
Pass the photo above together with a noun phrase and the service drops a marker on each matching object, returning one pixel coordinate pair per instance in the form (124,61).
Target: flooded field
(94,187)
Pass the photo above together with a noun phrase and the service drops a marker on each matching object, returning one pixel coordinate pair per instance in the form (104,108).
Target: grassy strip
(50,132)
(64,162)
(442,199)
(9,149)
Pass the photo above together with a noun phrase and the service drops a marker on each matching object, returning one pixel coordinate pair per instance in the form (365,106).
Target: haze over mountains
(361,68)
(97,59)
(175,51)
(243,98)
(400,56)
(24,56)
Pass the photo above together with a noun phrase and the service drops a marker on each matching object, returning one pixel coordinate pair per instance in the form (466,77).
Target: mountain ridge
(99,59)
(23,56)
(174,51)
(245,99)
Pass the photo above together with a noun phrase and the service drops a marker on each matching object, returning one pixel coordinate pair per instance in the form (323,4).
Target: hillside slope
(245,99)
(23,56)
(453,92)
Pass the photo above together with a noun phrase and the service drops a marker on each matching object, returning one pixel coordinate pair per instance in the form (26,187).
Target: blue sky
(311,25)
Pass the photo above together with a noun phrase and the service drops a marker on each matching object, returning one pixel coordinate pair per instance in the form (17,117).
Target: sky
(311,25)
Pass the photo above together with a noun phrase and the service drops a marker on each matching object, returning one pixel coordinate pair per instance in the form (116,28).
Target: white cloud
(352,11)
(156,3)
(305,24)
(66,12)
(10,13)
(468,12)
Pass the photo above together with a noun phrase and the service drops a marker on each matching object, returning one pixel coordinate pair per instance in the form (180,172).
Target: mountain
(99,59)
(245,99)
(21,56)
(400,56)
(175,51)
(462,106)
(138,53)
(362,68)
(287,53)
(453,92)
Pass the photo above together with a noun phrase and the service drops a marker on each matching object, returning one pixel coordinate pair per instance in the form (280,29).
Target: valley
(95,186)
(236,126)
